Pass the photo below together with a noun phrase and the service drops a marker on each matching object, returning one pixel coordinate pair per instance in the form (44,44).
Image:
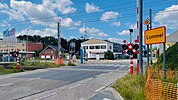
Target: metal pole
(150,29)
(131,64)
(140,38)
(164,59)
(27,44)
(137,13)
(148,49)
(59,41)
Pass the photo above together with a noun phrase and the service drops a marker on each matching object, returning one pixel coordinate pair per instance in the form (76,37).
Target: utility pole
(140,34)
(59,40)
(150,29)
(27,44)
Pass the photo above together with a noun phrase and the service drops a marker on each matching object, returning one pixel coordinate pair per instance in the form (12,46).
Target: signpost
(157,36)
(147,22)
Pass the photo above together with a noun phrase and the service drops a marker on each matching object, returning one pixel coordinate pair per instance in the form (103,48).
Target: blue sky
(102,19)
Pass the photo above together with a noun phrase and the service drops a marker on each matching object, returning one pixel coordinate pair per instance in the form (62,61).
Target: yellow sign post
(155,36)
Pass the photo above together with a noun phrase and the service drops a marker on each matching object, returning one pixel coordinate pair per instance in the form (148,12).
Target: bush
(109,55)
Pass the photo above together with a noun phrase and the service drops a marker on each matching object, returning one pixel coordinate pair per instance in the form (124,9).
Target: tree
(109,55)
(171,57)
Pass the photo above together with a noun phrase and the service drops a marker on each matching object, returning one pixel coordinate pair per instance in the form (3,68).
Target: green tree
(109,55)
(171,57)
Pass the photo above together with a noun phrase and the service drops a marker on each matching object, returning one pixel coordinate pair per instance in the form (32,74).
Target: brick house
(50,52)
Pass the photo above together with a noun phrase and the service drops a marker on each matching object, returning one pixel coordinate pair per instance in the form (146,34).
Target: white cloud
(116,23)
(69,22)
(44,13)
(101,34)
(45,32)
(89,30)
(124,32)
(168,17)
(92,32)
(3,6)
(116,40)
(91,8)
(133,26)
(4,23)
(109,15)
(64,6)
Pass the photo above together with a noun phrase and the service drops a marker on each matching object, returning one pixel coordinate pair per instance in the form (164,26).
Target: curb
(116,94)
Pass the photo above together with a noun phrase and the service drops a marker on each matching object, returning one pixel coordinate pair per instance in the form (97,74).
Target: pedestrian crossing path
(113,65)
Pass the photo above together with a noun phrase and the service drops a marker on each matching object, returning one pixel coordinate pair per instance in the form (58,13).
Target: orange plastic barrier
(59,61)
(155,89)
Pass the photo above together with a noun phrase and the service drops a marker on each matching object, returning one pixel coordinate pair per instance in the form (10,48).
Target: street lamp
(131,31)
(27,42)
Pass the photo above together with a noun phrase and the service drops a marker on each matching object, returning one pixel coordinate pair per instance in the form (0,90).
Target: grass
(9,71)
(40,65)
(71,64)
(131,87)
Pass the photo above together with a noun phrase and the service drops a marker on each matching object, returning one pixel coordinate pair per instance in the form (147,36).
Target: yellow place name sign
(155,36)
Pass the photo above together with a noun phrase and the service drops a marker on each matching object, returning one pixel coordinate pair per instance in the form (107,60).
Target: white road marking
(122,65)
(34,78)
(74,86)
(43,97)
(6,84)
(99,89)
(106,99)
(118,69)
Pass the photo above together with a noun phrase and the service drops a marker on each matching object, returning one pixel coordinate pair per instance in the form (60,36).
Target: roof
(94,41)
(55,48)
(173,37)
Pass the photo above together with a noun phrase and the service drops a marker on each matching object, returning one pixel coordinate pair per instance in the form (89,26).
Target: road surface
(84,82)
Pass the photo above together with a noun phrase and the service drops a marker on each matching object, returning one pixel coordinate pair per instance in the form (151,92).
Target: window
(51,51)
(97,47)
(1,50)
(22,44)
(91,47)
(110,47)
(23,49)
(103,47)
(85,47)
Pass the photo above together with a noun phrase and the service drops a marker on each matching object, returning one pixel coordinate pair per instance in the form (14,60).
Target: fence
(155,89)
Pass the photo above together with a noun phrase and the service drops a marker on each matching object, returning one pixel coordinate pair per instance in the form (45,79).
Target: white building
(95,49)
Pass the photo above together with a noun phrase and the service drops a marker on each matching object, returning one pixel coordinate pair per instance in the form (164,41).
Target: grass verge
(4,71)
(40,65)
(131,87)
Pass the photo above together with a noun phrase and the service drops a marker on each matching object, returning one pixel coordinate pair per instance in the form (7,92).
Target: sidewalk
(107,94)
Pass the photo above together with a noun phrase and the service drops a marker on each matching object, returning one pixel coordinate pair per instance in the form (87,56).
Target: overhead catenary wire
(121,9)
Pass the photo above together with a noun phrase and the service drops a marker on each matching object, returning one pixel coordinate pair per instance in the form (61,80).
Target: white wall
(99,52)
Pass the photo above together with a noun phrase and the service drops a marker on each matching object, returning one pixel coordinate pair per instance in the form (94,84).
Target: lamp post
(27,43)
(131,56)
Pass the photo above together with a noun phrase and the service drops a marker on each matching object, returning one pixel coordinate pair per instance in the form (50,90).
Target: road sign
(147,22)
(155,36)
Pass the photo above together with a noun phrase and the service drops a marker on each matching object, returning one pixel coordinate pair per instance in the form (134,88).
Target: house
(50,52)
(170,40)
(95,48)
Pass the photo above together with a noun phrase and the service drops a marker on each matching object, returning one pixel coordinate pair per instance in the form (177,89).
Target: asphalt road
(67,83)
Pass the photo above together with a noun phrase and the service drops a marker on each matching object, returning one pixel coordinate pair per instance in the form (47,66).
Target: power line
(122,9)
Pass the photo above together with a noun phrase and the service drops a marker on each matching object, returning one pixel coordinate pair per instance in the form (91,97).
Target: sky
(101,19)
